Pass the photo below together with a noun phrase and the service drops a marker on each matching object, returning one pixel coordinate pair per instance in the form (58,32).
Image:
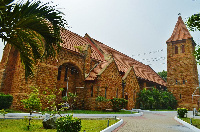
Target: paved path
(153,122)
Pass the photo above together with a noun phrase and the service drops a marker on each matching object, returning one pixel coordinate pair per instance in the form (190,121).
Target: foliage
(68,124)
(33,101)
(155,99)
(33,28)
(5,101)
(193,23)
(163,74)
(181,112)
(101,99)
(70,99)
(118,103)
(101,103)
(49,96)
(3,112)
(80,48)
(19,125)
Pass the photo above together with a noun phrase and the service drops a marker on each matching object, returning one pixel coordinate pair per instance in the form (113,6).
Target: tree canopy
(193,23)
(33,28)
(163,74)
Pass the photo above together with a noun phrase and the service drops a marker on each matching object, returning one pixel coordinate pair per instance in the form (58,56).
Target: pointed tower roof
(180,31)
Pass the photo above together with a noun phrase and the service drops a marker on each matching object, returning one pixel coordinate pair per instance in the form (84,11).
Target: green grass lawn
(96,112)
(195,122)
(80,112)
(161,110)
(20,125)
(13,111)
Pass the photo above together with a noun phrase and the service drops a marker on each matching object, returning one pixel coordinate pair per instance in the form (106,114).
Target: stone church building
(89,68)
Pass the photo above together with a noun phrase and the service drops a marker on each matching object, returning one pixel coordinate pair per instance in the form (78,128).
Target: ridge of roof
(94,45)
(98,70)
(103,69)
(126,74)
(180,31)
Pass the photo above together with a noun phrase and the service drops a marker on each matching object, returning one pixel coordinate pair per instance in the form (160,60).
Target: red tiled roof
(71,40)
(180,31)
(124,62)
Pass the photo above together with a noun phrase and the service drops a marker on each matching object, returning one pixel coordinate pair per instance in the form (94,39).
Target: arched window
(59,72)
(66,69)
(176,49)
(183,48)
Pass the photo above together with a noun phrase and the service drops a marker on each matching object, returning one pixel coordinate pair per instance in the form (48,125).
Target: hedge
(5,101)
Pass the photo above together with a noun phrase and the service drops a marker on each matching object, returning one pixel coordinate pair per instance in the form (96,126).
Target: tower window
(117,93)
(105,91)
(92,91)
(183,81)
(176,82)
(59,72)
(180,96)
(176,49)
(183,48)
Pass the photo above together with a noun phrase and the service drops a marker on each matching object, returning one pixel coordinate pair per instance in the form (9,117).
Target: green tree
(33,28)
(163,74)
(32,103)
(193,23)
(155,99)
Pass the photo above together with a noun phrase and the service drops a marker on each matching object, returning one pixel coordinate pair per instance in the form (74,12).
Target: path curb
(114,126)
(187,124)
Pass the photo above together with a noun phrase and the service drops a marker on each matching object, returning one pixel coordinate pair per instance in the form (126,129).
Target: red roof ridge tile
(180,31)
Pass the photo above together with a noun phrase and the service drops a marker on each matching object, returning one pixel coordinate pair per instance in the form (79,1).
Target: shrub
(5,101)
(70,99)
(156,99)
(33,101)
(118,103)
(68,124)
(181,112)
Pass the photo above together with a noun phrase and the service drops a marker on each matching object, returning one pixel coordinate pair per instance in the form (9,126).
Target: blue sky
(137,28)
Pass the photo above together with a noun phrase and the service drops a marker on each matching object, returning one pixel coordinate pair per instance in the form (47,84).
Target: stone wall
(45,75)
(106,85)
(131,89)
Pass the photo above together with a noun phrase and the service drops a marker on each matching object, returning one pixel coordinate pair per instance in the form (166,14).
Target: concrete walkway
(152,122)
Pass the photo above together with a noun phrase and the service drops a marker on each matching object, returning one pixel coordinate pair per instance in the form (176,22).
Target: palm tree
(32,28)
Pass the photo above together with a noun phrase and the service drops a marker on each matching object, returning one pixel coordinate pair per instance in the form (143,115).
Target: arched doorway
(69,78)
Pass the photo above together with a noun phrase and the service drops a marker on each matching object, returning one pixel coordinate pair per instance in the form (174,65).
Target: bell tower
(182,76)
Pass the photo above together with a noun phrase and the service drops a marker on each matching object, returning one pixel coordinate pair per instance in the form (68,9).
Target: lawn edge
(114,126)
(187,124)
